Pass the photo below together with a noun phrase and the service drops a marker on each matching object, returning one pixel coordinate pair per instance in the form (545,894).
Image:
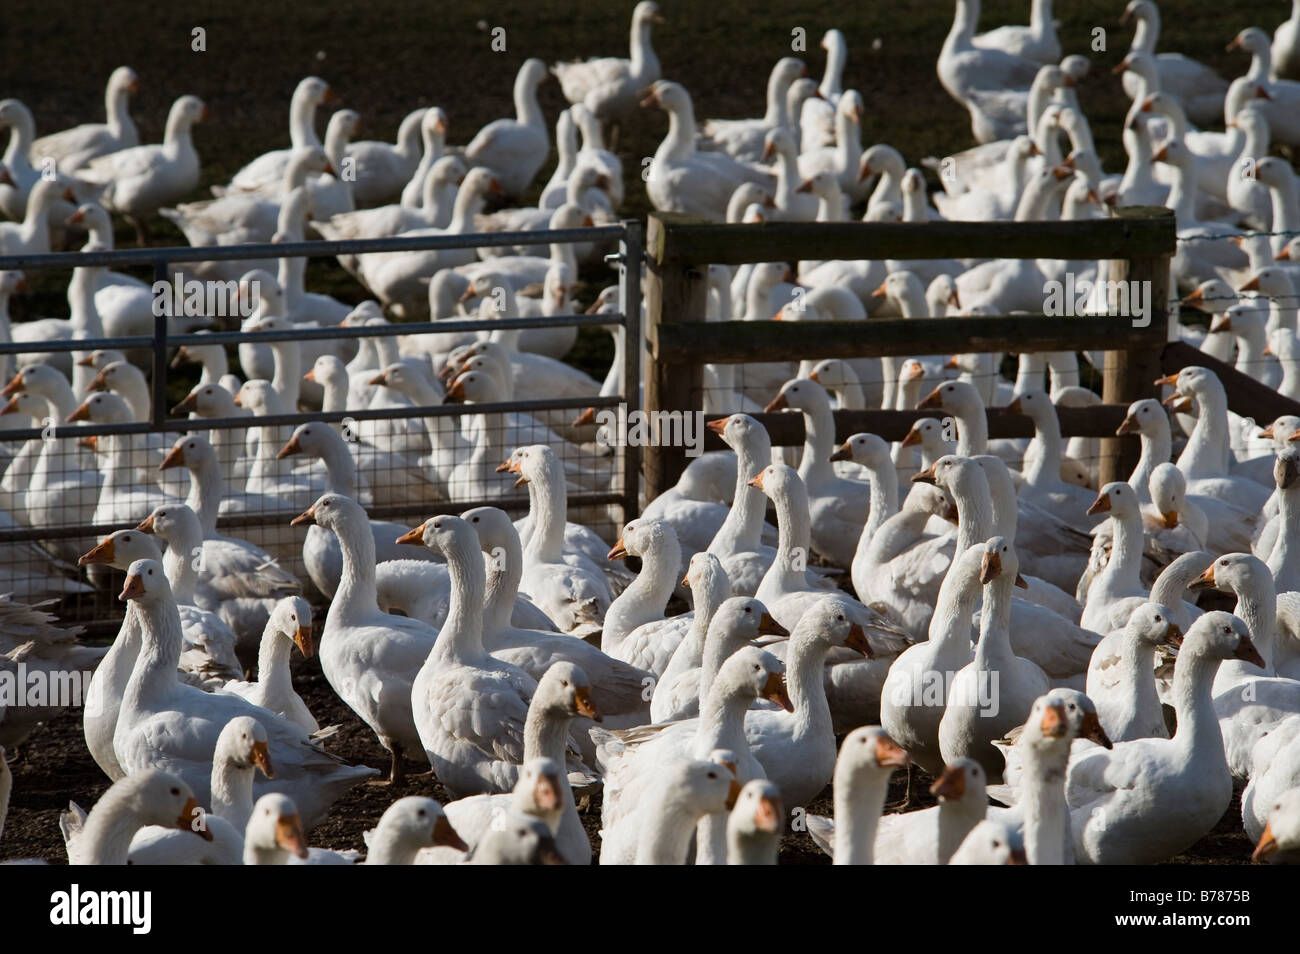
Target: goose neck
(857,816)
(993,652)
(819,441)
(232,791)
(503,586)
(356,595)
(273,670)
(548,504)
(461,637)
(1046,811)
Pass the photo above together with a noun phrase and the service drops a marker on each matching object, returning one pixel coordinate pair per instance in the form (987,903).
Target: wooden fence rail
(1138,241)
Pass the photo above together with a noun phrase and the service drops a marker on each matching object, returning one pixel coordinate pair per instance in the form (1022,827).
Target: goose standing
(514,149)
(73,148)
(610,86)
(469,707)
(369,657)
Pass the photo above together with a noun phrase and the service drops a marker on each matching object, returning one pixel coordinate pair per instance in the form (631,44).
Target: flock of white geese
(972,607)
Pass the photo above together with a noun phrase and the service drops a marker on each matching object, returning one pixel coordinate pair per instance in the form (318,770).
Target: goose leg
(141,231)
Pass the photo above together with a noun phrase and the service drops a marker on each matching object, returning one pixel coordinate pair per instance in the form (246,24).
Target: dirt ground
(388,57)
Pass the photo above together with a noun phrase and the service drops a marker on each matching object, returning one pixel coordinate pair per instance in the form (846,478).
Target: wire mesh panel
(152,433)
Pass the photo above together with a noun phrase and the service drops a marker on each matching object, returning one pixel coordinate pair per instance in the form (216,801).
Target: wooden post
(675,293)
(1130,375)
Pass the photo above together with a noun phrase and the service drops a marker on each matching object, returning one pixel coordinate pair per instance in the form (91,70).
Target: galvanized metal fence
(37,559)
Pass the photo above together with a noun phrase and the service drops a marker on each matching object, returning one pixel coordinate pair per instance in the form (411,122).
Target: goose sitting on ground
(1119,798)
(149,797)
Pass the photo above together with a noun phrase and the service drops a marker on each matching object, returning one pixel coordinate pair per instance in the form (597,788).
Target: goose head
(445,534)
(991,843)
(962,780)
(1034,404)
(1168,489)
(101,358)
(881,158)
(261,287)
(799,394)
(120,549)
(333,512)
(26,404)
(926,432)
(208,400)
(145,583)
(327,369)
(1282,830)
(868,450)
(704,570)
(102,407)
(779,142)
(243,743)
(496,531)
(1000,561)
(416,822)
(646,13)
(275,827)
(667,95)
(1220,635)
(832,374)
(1287,467)
(956,397)
(474,387)
(758,811)
(835,621)
(740,430)
(1116,499)
(867,754)
(1152,625)
(291,618)
(642,537)
(187,111)
(117,376)
(1146,416)
(1239,573)
(1284,427)
(155,797)
(314,90)
(1081,712)
(700,788)
(564,691)
(742,618)
(174,523)
(257,396)
(531,463)
(755,674)
(514,838)
(312,439)
(539,791)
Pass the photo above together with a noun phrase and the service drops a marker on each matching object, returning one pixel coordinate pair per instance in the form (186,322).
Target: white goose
(514,149)
(469,708)
(73,148)
(1119,798)
(369,657)
(610,86)
(265,172)
(140,180)
(682,179)
(289,626)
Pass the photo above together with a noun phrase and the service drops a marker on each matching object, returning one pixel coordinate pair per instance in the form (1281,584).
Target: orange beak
(175,458)
(618,552)
(293,447)
(1100,505)
(414,537)
(307,516)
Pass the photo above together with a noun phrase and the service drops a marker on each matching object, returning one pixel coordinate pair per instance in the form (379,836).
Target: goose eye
(1157,619)
(421,813)
(176,791)
(713,775)
(565,683)
(839,619)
